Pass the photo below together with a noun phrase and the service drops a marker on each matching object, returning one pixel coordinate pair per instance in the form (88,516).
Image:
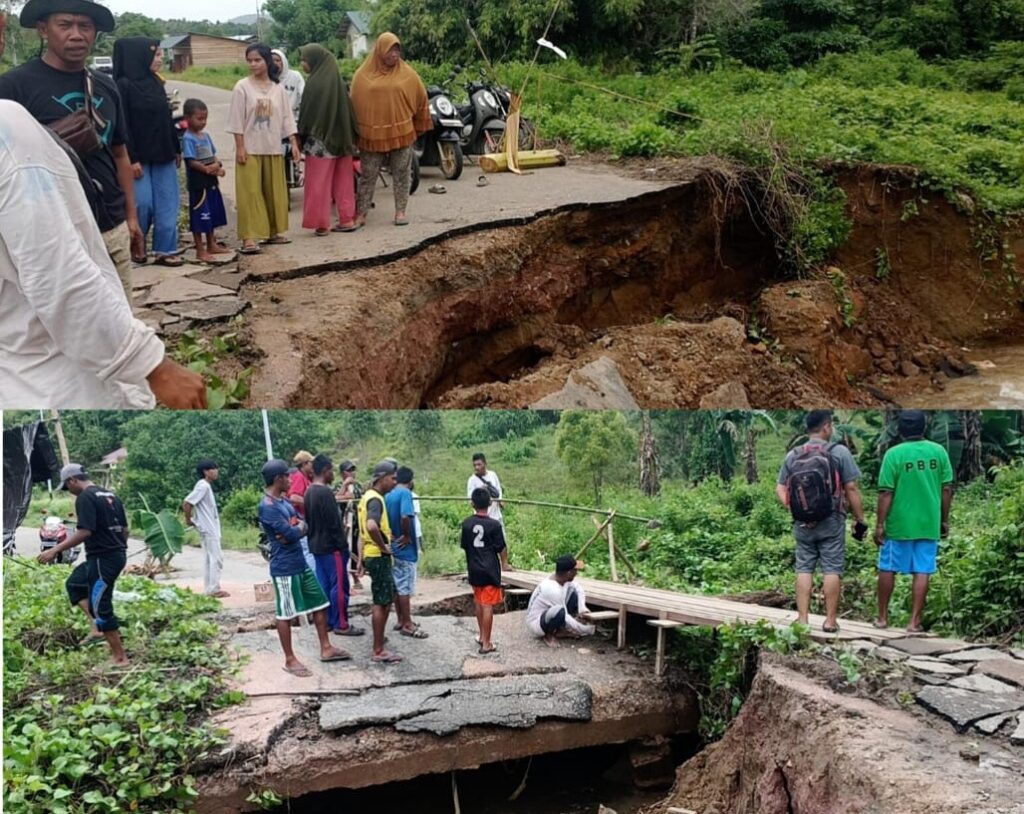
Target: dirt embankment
(798,746)
(677,287)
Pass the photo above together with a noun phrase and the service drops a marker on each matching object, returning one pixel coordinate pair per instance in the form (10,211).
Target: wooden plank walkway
(696,609)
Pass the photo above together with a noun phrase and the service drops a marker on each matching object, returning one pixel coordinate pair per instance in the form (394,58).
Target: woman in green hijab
(327,131)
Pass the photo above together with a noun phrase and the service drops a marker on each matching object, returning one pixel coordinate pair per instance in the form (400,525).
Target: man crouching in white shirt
(67,335)
(558,605)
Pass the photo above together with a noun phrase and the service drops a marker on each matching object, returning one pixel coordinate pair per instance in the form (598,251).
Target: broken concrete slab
(936,667)
(989,726)
(149,276)
(252,728)
(1005,668)
(595,386)
(862,647)
(226,278)
(1017,736)
(1017,654)
(205,310)
(964,707)
(184,289)
(729,396)
(924,646)
(975,654)
(981,683)
(889,654)
(446,707)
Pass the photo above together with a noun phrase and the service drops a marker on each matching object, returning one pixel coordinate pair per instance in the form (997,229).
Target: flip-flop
(322,232)
(250,250)
(401,221)
(437,189)
(482,181)
(341,655)
(140,261)
(482,652)
(415,633)
(355,227)
(351,630)
(169,260)
(827,629)
(301,672)
(277,241)
(386,658)
(877,625)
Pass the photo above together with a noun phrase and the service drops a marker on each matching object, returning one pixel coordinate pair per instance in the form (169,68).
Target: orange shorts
(488,595)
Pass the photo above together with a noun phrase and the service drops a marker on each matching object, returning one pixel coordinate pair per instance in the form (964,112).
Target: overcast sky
(222,10)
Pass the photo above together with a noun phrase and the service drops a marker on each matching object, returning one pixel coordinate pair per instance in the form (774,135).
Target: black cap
(565,563)
(38,10)
(912,423)
(383,469)
(273,469)
(346,465)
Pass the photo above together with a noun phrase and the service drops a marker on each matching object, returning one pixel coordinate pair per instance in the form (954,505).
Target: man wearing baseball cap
(375,532)
(558,605)
(915,493)
(296,589)
(54,86)
(349,495)
(298,482)
(103,527)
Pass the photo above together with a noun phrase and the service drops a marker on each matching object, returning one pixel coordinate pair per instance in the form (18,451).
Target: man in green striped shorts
(296,589)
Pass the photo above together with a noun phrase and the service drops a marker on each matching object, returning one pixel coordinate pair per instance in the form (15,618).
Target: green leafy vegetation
(201,354)
(83,738)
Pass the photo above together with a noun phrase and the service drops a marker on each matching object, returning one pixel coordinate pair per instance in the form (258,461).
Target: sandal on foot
(250,250)
(140,261)
(878,624)
(301,672)
(386,657)
(322,232)
(280,240)
(415,633)
(338,655)
(401,221)
(830,628)
(169,260)
(492,649)
(351,630)
(351,227)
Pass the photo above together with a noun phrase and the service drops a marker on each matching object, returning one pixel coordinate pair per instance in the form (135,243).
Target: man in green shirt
(915,493)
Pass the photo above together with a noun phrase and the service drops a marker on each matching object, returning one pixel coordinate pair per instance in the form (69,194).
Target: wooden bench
(662,625)
(603,616)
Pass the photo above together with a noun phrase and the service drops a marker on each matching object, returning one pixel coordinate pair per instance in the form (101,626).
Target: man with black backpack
(816,483)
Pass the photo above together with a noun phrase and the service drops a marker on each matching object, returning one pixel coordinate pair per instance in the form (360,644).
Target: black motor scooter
(483,118)
(441,146)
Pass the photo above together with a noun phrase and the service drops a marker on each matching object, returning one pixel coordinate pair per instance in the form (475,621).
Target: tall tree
(650,469)
(596,445)
(971,464)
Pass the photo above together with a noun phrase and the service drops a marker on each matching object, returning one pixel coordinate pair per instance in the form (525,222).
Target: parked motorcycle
(52,533)
(441,146)
(484,117)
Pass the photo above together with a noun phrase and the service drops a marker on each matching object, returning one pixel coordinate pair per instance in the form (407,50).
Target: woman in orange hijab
(391,110)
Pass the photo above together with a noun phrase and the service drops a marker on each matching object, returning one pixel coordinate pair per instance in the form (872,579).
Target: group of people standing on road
(326,126)
(100,156)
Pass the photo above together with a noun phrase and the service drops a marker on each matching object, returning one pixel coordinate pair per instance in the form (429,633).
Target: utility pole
(49,481)
(65,459)
(266,435)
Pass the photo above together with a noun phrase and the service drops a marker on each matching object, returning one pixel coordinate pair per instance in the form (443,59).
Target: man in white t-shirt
(201,513)
(484,478)
(558,605)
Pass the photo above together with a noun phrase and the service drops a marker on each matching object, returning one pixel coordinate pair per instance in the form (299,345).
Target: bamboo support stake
(611,550)
(622,627)
(627,563)
(597,534)
(527,159)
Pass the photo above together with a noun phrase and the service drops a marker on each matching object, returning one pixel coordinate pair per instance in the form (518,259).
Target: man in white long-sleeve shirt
(67,335)
(558,605)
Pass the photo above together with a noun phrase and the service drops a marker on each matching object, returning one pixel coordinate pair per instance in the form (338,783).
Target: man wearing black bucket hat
(915,492)
(53,88)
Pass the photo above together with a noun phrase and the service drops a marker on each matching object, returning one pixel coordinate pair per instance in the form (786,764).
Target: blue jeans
(157,201)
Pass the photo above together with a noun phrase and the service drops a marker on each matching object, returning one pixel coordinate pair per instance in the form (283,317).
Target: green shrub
(241,508)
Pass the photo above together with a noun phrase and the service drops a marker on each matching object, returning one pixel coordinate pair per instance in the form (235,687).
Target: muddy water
(999,383)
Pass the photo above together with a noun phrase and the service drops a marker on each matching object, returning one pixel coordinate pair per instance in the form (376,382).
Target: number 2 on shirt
(478,540)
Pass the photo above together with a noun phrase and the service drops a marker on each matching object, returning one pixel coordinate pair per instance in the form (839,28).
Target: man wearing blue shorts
(915,493)
(404,543)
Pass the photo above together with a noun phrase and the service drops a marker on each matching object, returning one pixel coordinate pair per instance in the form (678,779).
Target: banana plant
(163,533)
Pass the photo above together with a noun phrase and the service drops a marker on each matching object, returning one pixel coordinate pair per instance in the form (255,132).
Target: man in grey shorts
(816,483)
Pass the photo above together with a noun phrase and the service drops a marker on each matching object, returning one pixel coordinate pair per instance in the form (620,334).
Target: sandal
(250,250)
(301,672)
(280,240)
(415,633)
(169,260)
(401,221)
(878,624)
(351,630)
(437,189)
(493,649)
(322,232)
(386,657)
(830,628)
(352,227)
(337,655)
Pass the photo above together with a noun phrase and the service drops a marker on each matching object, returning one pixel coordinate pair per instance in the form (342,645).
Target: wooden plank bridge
(668,609)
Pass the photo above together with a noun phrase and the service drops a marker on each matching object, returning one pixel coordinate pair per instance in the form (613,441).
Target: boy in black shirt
(483,540)
(103,527)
